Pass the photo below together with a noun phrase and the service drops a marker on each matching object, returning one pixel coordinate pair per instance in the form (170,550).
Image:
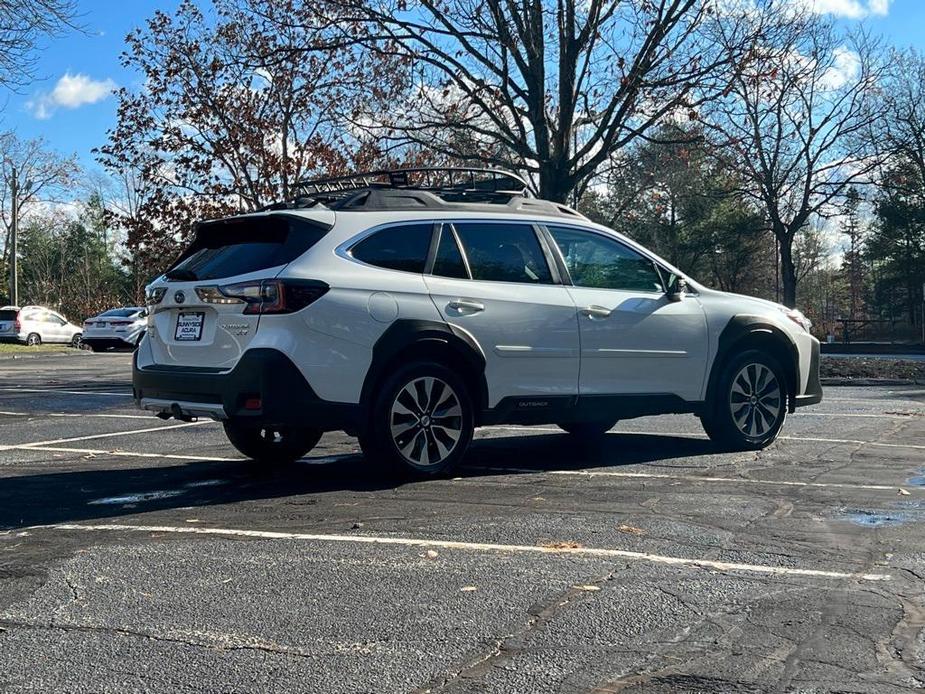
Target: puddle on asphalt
(871,519)
(135,498)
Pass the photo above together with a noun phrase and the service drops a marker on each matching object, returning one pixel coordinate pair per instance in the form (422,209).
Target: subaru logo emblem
(179,297)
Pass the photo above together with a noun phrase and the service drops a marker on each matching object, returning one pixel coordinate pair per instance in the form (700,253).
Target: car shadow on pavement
(129,487)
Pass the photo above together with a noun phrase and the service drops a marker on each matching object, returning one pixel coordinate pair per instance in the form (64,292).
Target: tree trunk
(788,273)
(555,183)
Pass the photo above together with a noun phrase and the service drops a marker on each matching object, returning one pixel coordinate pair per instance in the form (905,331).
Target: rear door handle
(466,306)
(595,312)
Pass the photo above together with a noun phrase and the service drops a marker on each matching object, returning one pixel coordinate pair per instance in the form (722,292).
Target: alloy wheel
(426,421)
(755,400)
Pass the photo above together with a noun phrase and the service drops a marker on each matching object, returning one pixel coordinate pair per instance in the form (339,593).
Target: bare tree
(901,134)
(791,124)
(44,176)
(549,87)
(22,25)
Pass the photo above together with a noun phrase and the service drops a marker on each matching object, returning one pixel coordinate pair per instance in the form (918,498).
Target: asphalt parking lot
(142,555)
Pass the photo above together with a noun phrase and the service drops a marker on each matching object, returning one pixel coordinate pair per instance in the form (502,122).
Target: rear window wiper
(181,274)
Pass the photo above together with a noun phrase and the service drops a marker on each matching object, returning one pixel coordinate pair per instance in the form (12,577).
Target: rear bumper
(813,391)
(286,398)
(105,342)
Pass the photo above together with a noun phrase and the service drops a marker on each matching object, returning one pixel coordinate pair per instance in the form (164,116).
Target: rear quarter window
(237,246)
(403,247)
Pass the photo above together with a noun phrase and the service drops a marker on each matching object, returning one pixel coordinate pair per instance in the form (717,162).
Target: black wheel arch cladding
(745,332)
(407,338)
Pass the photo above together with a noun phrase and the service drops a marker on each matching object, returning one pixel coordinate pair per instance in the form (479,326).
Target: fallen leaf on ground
(431,554)
(467,589)
(903,492)
(89,455)
(631,529)
(539,498)
(588,588)
(560,545)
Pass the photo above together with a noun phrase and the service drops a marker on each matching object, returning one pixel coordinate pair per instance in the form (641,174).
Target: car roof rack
(451,184)
(462,189)
(424,188)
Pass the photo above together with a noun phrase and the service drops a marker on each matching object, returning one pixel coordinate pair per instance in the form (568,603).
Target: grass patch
(16,349)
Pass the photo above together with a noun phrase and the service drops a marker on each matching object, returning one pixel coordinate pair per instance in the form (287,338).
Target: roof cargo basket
(415,187)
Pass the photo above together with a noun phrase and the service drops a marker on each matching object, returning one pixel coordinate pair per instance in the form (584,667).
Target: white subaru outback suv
(408,307)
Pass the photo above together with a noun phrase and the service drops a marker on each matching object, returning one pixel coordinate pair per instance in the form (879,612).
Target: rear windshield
(121,312)
(231,247)
(8,315)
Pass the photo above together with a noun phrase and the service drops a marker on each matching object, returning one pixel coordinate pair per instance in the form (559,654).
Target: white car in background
(34,325)
(117,327)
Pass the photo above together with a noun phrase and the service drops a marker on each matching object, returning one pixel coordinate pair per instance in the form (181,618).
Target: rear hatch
(8,321)
(201,312)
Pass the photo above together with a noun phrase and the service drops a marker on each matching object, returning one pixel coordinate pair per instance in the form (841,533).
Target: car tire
(75,341)
(33,340)
(271,445)
(588,430)
(421,421)
(750,403)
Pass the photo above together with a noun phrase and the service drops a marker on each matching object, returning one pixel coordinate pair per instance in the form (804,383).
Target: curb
(69,352)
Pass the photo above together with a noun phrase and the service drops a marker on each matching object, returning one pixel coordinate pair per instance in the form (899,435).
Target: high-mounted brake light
(265,296)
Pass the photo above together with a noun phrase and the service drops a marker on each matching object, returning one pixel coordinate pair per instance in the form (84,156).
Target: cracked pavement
(155,561)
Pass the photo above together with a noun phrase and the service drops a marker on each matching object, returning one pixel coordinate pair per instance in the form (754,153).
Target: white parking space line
(692,435)
(856,414)
(696,478)
(477,547)
(132,432)
(124,454)
(39,415)
(55,391)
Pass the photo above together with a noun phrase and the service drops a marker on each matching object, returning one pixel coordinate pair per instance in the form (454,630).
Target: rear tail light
(89,323)
(266,296)
(17,326)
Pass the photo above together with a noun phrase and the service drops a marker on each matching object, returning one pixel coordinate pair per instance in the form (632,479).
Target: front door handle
(466,306)
(594,312)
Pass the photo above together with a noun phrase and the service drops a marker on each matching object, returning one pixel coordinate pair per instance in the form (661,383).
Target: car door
(493,281)
(59,327)
(634,340)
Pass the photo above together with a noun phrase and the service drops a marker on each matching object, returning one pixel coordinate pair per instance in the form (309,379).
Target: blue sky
(71,107)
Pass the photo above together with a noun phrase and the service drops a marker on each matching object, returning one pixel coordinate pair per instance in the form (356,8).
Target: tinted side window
(396,248)
(596,261)
(449,260)
(504,252)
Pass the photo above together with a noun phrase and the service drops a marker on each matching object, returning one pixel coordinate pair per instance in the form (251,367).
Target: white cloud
(848,9)
(846,67)
(71,91)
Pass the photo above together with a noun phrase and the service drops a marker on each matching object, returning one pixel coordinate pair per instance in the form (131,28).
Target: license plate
(189,327)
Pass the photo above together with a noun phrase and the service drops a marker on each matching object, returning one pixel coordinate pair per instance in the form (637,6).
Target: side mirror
(677,288)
